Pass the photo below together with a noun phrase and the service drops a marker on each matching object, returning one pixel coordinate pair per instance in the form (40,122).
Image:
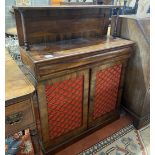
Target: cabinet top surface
(64,7)
(51,51)
(16,83)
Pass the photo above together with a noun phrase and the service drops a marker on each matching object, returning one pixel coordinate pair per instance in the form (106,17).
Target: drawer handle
(14,118)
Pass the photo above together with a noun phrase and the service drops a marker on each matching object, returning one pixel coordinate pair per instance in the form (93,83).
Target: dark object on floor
(11,146)
(19,144)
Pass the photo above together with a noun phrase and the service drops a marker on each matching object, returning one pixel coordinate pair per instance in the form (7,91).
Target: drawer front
(18,116)
(46,69)
(104,93)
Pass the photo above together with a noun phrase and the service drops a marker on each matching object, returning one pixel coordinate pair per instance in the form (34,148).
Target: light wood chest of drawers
(19,111)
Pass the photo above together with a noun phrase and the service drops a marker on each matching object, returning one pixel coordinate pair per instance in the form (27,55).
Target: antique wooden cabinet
(79,71)
(136,96)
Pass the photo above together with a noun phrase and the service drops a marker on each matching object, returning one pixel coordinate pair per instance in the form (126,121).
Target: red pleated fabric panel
(106,90)
(64,101)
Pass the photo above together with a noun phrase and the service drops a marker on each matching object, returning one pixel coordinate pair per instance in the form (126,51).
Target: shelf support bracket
(26,43)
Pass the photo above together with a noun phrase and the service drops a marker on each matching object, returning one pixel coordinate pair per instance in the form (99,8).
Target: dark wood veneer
(67,42)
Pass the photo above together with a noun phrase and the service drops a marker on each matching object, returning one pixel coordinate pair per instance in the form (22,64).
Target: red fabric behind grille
(106,90)
(64,101)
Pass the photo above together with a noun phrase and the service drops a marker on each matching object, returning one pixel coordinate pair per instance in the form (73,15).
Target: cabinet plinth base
(138,121)
(52,150)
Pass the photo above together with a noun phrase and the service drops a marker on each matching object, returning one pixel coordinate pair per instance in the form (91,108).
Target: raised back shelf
(57,23)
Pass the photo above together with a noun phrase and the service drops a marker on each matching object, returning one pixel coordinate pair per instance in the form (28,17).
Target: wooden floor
(90,140)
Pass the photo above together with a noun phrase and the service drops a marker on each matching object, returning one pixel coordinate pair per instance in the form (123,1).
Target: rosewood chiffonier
(79,71)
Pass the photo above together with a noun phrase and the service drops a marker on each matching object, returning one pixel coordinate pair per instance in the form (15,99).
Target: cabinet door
(63,105)
(105,91)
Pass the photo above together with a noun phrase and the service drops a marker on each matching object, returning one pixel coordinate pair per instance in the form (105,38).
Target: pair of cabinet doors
(73,103)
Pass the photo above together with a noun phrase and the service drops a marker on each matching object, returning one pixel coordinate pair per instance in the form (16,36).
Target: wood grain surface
(57,23)
(67,41)
(16,84)
(136,95)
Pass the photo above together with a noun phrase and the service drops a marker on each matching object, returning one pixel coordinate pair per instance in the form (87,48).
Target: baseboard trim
(138,121)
